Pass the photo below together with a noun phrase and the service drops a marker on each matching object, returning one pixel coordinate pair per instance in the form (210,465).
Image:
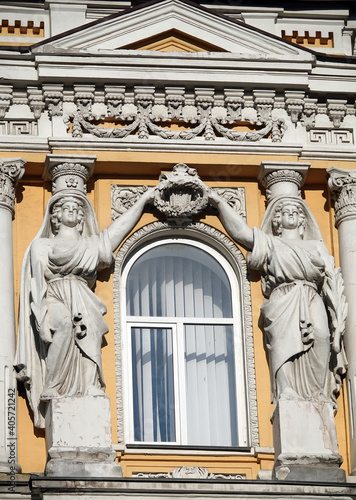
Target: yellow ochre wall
(143,168)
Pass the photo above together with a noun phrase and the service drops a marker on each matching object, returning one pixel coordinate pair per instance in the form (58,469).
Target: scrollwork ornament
(123,198)
(189,472)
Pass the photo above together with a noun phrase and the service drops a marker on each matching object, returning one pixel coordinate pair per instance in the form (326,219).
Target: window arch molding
(214,238)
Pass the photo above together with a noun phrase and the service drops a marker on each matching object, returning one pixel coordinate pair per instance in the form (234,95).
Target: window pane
(210,385)
(178,280)
(152,380)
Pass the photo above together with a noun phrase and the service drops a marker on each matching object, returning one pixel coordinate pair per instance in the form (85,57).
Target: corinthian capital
(342,184)
(11,171)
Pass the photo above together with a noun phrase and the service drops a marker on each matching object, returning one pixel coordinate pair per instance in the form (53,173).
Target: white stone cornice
(11,171)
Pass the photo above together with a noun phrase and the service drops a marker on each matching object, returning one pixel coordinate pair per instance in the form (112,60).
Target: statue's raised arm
(305,310)
(234,224)
(61,322)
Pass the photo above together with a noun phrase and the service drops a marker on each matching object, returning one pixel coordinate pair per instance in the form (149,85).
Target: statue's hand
(149,195)
(213,198)
(45,332)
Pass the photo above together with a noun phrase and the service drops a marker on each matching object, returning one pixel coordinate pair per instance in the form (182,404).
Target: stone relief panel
(188,472)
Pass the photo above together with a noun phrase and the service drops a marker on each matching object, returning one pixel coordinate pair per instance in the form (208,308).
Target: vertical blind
(179,281)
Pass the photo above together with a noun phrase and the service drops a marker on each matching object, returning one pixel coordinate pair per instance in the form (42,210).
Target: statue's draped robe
(63,277)
(295,318)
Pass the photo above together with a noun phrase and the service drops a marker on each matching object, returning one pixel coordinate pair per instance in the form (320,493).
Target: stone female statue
(304,311)
(61,322)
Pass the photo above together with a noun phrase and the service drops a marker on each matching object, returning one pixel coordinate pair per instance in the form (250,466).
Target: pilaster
(342,184)
(11,171)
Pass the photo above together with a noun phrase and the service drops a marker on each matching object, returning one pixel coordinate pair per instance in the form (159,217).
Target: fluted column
(11,171)
(342,185)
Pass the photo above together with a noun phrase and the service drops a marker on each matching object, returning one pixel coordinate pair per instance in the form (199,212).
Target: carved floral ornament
(342,185)
(11,171)
(198,114)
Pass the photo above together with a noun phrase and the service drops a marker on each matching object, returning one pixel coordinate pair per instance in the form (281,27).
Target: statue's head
(288,215)
(69,211)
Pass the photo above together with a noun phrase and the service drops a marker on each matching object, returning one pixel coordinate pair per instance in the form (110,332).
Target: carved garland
(146,111)
(199,231)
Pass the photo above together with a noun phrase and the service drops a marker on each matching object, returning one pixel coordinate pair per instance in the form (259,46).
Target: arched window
(184,363)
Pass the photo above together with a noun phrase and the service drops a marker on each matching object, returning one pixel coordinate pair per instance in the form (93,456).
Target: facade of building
(168,131)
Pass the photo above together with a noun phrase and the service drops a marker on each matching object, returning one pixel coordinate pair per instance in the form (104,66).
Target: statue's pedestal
(78,437)
(305,442)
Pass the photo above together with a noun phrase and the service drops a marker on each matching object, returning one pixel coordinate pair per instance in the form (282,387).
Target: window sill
(184,450)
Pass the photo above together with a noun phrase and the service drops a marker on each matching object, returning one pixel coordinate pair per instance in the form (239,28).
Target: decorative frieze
(342,185)
(208,113)
(11,171)
(188,472)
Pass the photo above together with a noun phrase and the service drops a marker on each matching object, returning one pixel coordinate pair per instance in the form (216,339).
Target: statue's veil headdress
(311,231)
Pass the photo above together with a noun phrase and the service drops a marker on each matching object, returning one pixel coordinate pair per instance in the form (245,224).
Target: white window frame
(177,325)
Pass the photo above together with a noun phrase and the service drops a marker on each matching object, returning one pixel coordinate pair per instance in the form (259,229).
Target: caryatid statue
(61,324)
(304,309)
